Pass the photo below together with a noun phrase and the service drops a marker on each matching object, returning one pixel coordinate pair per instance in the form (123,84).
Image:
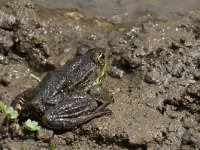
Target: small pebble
(6,80)
(116,73)
(44,134)
(83,49)
(153,77)
(3,59)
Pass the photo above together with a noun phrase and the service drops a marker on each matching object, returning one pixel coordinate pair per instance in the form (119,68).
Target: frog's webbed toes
(108,112)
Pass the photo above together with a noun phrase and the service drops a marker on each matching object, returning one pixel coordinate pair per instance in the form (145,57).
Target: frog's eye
(98,57)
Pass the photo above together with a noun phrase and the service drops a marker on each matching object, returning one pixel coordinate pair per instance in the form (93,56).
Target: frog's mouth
(102,62)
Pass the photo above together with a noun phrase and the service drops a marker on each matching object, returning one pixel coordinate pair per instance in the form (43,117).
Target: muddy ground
(154,76)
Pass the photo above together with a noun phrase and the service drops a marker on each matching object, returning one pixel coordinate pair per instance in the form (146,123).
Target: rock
(116,73)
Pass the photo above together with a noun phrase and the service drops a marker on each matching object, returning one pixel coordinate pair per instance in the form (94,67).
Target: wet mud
(153,74)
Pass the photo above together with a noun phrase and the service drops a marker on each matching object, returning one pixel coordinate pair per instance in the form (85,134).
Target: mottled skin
(60,100)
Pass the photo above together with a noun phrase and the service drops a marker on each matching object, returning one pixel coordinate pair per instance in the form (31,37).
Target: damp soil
(153,74)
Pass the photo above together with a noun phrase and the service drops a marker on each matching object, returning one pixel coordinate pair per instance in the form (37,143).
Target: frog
(61,100)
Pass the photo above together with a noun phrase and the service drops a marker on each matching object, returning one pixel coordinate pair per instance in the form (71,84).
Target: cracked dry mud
(156,100)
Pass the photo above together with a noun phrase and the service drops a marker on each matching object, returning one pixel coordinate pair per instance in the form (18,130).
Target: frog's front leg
(73,111)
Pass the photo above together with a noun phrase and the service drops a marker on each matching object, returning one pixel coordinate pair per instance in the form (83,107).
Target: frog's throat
(101,71)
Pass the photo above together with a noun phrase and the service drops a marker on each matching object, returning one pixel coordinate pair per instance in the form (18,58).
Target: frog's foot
(17,105)
(102,106)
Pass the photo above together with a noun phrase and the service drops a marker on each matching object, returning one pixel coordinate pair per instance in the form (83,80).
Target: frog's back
(64,78)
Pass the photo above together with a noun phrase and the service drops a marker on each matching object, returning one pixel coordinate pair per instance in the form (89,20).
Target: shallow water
(126,10)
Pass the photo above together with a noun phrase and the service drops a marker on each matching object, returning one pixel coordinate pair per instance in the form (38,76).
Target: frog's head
(93,67)
(100,58)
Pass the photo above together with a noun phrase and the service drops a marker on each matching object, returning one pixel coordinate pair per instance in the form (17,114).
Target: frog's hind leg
(72,111)
(70,123)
